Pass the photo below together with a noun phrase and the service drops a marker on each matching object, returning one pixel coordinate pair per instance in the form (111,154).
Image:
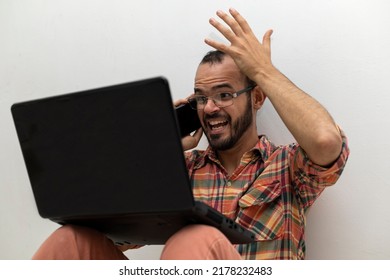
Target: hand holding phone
(188,119)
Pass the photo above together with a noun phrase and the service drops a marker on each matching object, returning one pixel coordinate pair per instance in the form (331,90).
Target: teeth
(216,123)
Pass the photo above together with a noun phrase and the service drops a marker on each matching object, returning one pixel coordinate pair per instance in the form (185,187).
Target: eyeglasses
(221,100)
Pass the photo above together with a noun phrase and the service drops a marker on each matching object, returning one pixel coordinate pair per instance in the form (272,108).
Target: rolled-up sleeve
(309,178)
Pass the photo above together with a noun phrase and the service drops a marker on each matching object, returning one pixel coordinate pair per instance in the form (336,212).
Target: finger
(244,26)
(231,22)
(226,32)
(180,102)
(216,45)
(190,96)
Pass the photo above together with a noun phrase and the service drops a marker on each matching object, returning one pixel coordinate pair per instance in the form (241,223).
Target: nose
(210,107)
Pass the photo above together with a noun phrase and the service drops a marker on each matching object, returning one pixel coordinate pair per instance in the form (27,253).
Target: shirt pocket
(261,210)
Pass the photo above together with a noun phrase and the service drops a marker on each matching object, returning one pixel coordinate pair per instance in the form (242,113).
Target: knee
(68,234)
(199,242)
(69,242)
(66,230)
(198,233)
(65,234)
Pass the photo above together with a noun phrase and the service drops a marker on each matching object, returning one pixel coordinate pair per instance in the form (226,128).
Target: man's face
(223,127)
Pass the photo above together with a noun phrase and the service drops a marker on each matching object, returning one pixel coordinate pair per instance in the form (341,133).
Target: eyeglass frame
(206,98)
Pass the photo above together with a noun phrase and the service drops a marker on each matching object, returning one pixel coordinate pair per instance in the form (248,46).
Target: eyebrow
(216,87)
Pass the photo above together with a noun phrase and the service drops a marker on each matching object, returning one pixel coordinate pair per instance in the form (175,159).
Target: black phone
(188,119)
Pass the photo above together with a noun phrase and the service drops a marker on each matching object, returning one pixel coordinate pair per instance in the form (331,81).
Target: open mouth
(216,126)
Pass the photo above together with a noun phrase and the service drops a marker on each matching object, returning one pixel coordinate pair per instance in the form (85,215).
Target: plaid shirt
(268,193)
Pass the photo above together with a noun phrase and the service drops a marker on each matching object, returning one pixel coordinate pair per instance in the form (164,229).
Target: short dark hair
(215,57)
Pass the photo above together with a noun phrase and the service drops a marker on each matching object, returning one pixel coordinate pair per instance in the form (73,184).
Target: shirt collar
(263,147)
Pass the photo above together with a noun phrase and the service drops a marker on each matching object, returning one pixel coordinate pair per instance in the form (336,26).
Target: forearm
(307,120)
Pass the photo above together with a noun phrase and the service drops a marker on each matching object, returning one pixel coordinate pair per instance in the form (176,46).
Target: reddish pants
(194,242)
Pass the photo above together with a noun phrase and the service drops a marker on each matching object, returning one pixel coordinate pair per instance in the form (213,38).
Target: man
(263,187)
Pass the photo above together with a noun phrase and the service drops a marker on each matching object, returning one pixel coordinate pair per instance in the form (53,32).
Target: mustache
(208,117)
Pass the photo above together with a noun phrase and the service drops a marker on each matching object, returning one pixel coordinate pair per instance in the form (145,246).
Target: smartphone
(188,119)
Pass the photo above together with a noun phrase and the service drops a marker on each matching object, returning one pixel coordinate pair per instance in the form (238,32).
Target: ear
(258,98)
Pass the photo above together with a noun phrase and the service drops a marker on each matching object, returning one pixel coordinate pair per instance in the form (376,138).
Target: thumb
(267,40)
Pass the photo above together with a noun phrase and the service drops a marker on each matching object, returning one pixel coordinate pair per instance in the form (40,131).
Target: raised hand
(251,55)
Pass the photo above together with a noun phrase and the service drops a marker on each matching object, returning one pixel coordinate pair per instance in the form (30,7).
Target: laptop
(111,158)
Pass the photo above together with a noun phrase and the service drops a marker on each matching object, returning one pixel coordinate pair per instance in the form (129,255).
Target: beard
(238,128)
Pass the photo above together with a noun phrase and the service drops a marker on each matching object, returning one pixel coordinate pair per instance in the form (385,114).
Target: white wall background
(338,51)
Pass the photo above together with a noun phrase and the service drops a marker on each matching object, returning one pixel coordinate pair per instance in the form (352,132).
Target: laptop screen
(104,151)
